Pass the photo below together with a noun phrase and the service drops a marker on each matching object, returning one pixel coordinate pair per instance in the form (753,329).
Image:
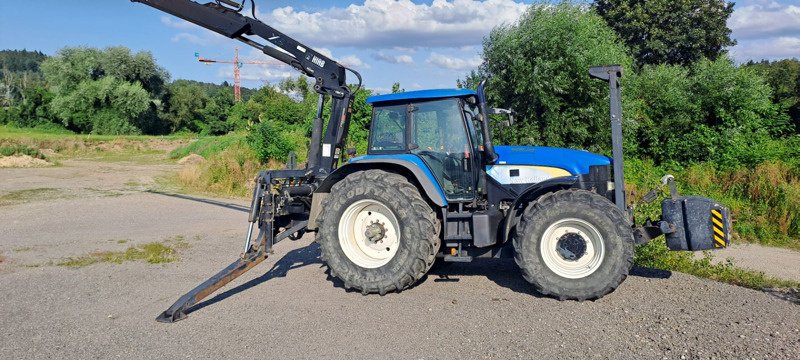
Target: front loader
(433,187)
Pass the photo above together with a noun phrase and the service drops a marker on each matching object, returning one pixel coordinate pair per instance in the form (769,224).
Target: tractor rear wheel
(376,232)
(574,244)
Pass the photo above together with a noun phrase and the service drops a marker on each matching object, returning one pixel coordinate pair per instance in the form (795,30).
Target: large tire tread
(420,235)
(528,258)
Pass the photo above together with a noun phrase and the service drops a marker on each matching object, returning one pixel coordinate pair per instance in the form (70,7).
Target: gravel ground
(286,308)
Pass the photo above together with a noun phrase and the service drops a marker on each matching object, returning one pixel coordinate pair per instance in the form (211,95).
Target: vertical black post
(616,141)
(488,147)
(612,73)
(316,138)
(335,133)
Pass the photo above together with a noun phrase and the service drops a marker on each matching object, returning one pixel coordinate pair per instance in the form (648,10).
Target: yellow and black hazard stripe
(719,228)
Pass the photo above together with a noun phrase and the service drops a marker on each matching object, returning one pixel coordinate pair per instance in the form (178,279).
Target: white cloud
(177,23)
(769,19)
(383,24)
(770,49)
(393,59)
(206,37)
(353,61)
(453,63)
(190,38)
(349,60)
(765,30)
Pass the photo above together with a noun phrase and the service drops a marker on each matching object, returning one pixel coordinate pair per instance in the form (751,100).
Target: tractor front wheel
(574,244)
(376,232)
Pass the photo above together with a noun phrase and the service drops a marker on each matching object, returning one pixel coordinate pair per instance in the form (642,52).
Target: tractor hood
(575,161)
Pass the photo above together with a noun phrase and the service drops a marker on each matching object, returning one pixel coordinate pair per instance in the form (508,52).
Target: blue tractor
(432,187)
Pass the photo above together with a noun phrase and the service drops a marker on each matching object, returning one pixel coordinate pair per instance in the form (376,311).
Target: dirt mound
(22,161)
(191,159)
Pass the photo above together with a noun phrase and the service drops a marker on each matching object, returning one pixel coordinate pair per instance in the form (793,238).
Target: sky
(421,44)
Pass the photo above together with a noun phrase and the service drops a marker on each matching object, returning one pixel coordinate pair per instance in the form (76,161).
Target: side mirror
(510,113)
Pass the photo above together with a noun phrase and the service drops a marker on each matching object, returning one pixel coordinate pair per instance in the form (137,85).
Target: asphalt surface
(287,307)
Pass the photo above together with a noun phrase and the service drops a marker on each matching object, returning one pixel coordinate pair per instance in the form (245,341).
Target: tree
(19,73)
(183,103)
(783,76)
(670,31)
(111,91)
(21,60)
(539,68)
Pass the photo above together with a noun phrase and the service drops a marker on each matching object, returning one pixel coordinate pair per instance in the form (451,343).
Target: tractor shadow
(223,204)
(308,255)
(505,273)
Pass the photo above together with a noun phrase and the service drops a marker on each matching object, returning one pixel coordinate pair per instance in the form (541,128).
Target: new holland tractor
(433,187)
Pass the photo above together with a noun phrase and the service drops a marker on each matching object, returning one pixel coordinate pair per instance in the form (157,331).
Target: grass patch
(133,183)
(152,253)
(656,255)
(122,241)
(208,146)
(23,249)
(763,203)
(19,149)
(22,196)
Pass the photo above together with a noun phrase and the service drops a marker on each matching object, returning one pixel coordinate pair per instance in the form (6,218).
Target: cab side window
(388,129)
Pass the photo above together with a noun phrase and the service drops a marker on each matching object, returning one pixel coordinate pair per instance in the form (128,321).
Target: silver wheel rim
(369,234)
(581,267)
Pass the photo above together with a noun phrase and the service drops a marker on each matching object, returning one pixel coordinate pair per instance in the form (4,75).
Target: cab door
(437,133)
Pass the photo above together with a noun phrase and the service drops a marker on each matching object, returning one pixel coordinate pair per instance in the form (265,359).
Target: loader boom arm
(330,76)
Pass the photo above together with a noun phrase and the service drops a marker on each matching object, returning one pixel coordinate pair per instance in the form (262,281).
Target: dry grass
(97,147)
(229,173)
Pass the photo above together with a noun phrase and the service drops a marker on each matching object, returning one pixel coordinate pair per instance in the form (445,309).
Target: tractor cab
(436,126)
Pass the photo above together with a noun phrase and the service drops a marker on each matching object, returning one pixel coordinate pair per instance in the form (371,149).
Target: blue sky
(421,44)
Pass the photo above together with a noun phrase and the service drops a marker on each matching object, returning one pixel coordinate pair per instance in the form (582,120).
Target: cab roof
(421,95)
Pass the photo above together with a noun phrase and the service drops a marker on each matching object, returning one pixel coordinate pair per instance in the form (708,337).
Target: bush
(714,111)
(229,172)
(272,141)
(11,150)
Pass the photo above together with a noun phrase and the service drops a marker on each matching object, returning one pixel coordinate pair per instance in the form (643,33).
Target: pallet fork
(261,215)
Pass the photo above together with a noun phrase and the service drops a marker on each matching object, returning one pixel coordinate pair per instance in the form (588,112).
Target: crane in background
(237,65)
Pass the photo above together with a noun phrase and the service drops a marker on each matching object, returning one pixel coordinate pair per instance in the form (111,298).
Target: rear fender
(407,165)
(531,194)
